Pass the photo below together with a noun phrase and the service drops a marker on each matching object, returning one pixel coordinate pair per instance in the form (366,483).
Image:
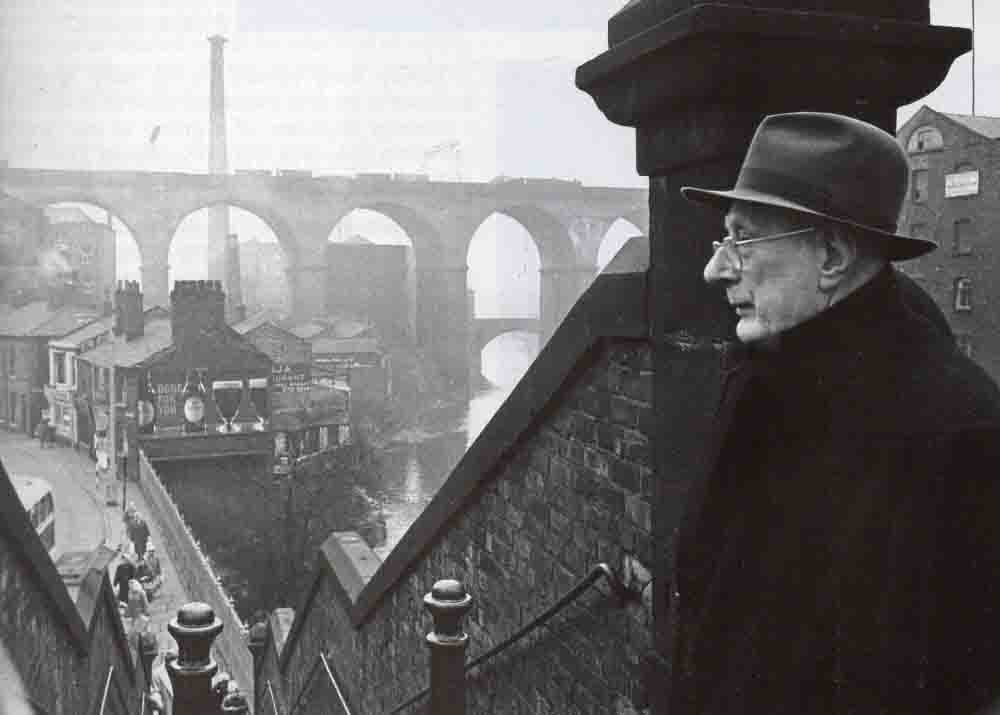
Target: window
(925,139)
(920,185)
(963,294)
(962,238)
(59,364)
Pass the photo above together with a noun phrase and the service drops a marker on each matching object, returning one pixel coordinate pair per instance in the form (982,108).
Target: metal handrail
(274,703)
(107,687)
(340,695)
(321,660)
(601,569)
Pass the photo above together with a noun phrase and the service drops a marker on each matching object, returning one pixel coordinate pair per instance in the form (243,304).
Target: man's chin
(749,330)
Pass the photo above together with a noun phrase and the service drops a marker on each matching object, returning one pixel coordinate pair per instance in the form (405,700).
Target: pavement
(84,521)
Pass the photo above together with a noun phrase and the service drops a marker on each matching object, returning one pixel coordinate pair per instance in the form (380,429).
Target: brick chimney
(129,320)
(196,306)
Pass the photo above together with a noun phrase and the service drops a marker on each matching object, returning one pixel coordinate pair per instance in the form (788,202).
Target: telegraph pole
(973,57)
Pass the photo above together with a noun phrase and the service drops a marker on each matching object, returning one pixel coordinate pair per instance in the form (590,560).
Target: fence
(196,575)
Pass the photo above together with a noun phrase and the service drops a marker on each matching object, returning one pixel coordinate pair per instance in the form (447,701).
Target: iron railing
(320,661)
(107,688)
(598,571)
(274,703)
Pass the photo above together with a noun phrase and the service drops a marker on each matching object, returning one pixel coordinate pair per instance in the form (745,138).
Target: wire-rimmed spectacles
(729,245)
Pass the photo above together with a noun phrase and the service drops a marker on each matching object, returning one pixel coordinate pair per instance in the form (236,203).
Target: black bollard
(448,603)
(195,629)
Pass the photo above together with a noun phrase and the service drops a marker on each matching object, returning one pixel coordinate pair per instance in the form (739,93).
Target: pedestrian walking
(140,536)
(123,574)
(138,604)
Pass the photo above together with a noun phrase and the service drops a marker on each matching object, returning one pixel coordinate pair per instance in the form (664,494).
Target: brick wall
(935,217)
(62,650)
(196,575)
(560,480)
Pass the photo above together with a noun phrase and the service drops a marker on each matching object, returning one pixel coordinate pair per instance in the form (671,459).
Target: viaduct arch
(566,220)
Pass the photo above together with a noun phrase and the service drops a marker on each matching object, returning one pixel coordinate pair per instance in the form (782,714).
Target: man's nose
(719,268)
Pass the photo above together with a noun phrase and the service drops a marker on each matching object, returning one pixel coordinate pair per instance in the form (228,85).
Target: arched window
(925,139)
(963,294)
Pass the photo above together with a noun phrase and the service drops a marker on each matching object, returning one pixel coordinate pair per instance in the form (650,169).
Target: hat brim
(898,247)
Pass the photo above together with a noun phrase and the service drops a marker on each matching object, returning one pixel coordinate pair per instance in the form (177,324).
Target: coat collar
(858,329)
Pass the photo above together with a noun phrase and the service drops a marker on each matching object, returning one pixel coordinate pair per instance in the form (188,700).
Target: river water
(417,461)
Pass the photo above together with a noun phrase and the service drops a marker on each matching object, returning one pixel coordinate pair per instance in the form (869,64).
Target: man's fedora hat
(826,165)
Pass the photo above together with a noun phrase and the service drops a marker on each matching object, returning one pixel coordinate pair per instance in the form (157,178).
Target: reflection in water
(415,466)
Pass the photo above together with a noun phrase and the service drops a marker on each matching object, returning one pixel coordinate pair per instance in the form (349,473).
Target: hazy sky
(343,87)
(369,87)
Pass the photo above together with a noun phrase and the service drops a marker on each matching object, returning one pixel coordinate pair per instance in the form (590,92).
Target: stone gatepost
(695,80)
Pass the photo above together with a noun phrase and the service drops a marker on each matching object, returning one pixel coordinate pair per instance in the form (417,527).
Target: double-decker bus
(36,497)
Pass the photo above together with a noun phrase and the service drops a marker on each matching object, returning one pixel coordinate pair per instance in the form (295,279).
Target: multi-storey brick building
(25,333)
(955,200)
(84,247)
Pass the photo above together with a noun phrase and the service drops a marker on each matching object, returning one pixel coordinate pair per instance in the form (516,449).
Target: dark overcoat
(843,556)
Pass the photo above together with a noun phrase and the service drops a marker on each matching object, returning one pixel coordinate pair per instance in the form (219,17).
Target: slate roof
(79,336)
(263,318)
(76,338)
(40,320)
(988,127)
(339,327)
(346,346)
(157,337)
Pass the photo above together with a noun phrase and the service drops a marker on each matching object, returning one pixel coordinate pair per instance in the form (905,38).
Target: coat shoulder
(938,388)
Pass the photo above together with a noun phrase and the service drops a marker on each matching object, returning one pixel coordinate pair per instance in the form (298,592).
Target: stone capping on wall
(614,306)
(349,562)
(97,591)
(197,576)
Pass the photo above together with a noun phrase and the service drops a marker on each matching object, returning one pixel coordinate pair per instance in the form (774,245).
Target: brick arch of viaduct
(440,219)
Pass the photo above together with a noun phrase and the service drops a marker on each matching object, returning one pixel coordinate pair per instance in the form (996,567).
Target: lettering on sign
(964,183)
(290,378)
(166,395)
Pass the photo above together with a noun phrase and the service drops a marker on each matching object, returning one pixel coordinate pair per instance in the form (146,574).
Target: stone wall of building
(964,228)
(64,651)
(560,481)
(196,575)
(370,281)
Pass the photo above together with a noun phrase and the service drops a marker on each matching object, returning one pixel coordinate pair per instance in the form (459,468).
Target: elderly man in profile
(843,553)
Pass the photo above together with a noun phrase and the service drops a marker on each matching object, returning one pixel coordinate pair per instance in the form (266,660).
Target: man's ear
(839,256)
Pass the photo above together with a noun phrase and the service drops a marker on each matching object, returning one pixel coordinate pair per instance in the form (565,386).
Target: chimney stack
(129,320)
(196,307)
(232,287)
(218,162)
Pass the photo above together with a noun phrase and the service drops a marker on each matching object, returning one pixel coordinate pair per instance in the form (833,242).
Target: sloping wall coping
(15,522)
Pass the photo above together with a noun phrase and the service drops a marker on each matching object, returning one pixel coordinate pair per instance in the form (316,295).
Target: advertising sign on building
(166,395)
(291,378)
(963,183)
